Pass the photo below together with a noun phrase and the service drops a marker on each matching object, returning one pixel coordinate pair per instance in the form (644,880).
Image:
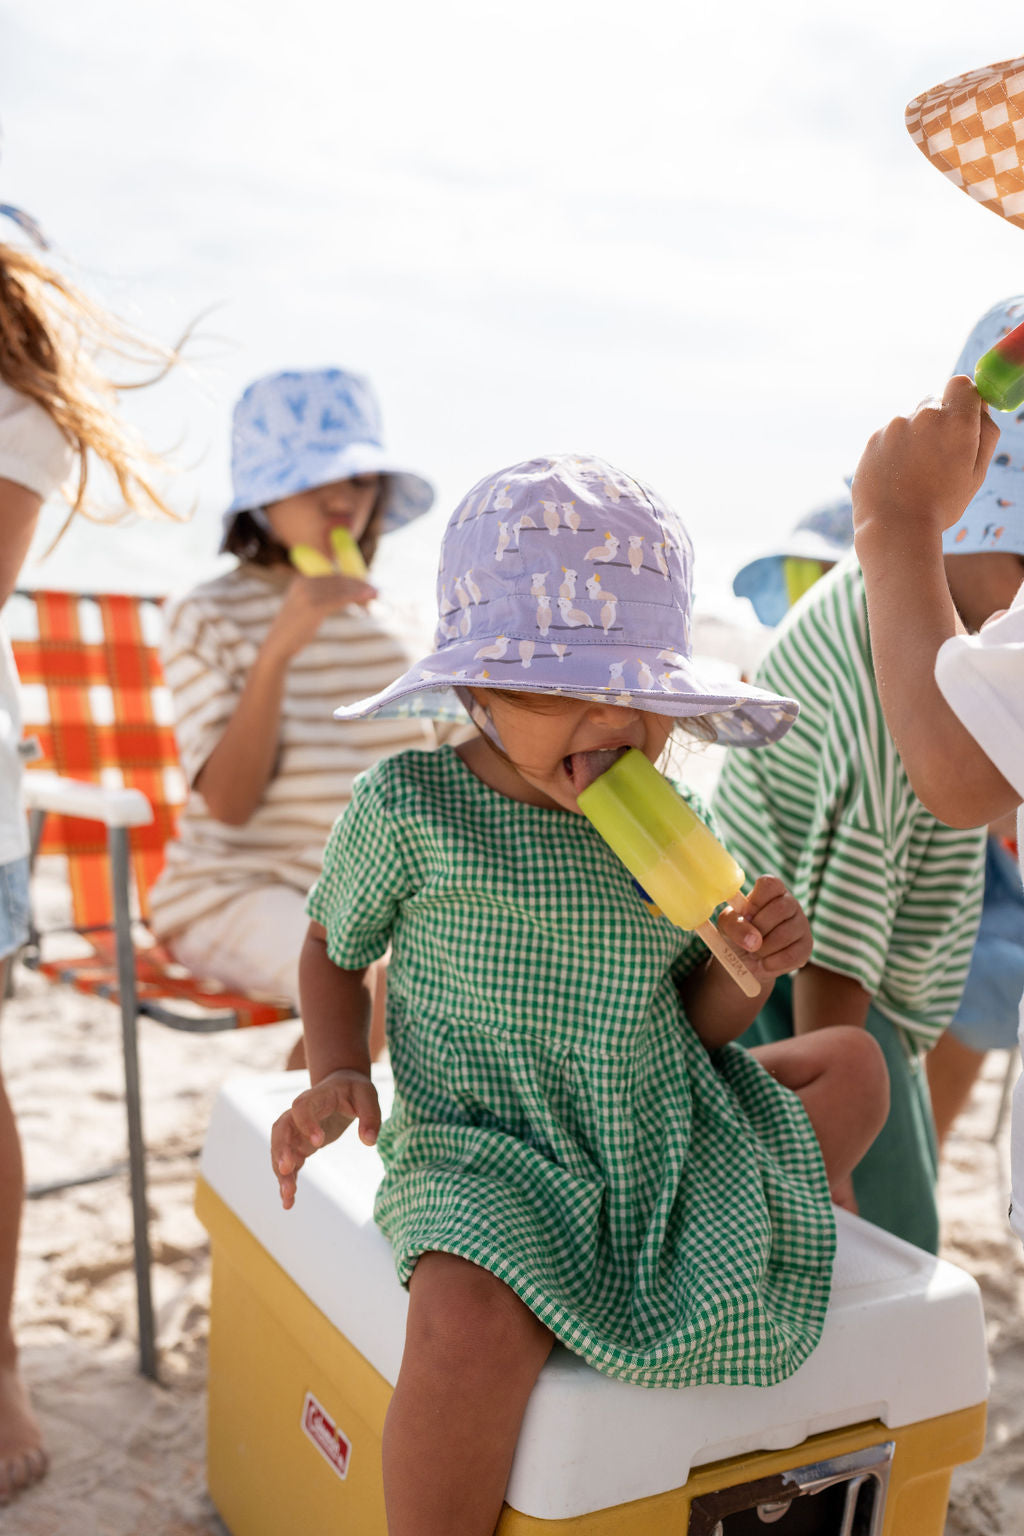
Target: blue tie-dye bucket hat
(565,575)
(994,520)
(295,431)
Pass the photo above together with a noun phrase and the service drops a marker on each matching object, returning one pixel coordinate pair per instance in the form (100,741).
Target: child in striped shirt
(890,875)
(251,657)
(954,700)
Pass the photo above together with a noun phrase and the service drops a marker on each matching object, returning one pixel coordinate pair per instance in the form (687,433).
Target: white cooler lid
(904,1339)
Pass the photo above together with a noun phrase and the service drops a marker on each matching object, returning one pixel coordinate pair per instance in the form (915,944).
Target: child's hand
(318,1116)
(769,929)
(918,474)
(308,602)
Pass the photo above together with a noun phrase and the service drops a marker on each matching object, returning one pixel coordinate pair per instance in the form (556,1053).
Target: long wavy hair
(52,340)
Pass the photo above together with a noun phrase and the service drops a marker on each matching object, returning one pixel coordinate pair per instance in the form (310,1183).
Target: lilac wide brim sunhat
(994,520)
(565,575)
(295,431)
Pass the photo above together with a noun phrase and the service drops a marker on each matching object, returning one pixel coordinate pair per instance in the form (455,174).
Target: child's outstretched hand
(318,1116)
(769,929)
(918,474)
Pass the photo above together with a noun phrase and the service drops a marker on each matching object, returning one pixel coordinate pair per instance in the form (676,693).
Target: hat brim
(409,495)
(763,583)
(739,714)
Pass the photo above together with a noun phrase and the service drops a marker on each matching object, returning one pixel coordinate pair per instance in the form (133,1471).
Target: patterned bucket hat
(994,520)
(972,128)
(824,534)
(565,575)
(295,431)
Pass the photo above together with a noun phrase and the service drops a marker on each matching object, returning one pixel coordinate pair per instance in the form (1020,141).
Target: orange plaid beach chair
(103,794)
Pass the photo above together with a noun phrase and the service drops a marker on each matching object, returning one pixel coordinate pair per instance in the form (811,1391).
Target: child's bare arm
(914,479)
(336,1009)
(822,998)
(769,929)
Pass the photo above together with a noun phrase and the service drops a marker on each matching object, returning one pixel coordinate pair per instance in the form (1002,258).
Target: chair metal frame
(125,973)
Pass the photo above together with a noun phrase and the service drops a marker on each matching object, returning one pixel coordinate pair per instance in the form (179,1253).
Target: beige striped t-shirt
(211,639)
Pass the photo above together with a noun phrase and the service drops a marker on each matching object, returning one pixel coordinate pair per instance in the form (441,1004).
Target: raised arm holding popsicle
(577,1151)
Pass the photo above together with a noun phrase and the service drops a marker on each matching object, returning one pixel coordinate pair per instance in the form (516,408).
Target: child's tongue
(584,767)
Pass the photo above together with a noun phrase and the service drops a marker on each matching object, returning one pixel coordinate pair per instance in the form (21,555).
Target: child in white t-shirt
(954,702)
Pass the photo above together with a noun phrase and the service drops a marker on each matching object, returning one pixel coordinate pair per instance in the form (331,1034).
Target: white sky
(695,239)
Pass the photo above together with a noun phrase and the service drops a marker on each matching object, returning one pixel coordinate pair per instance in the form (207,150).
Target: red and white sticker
(318,1426)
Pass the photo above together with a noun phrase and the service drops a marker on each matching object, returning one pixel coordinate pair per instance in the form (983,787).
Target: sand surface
(128,1455)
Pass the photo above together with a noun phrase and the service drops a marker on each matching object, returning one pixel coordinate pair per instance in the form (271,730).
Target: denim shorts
(13,906)
(987,1018)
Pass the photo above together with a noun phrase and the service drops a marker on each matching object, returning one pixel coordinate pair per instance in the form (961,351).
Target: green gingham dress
(663,1210)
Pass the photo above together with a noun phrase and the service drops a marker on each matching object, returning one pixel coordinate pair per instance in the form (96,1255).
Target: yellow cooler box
(307,1324)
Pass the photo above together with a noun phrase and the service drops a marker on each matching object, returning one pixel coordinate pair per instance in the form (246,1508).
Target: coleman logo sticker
(319,1427)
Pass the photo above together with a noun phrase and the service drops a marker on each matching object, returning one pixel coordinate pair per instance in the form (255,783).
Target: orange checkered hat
(972,128)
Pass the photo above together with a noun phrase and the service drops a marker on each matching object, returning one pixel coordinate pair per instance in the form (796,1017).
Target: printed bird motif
(567,587)
(543,601)
(602,553)
(636,553)
(504,540)
(645,677)
(461,593)
(445,605)
(449,631)
(608,610)
(503,501)
(573,519)
(526,521)
(574,617)
(493,652)
(552,520)
(612,490)
(526,650)
(471,587)
(660,551)
(616,675)
(594,588)
(665,682)
(465,623)
(482,503)
(560,651)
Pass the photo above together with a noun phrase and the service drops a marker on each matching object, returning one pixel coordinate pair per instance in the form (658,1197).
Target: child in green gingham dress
(577,1152)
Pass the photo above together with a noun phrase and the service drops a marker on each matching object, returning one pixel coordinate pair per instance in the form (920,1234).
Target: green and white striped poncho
(557,1121)
(893,896)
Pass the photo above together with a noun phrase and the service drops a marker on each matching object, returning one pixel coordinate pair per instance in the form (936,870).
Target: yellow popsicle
(347,553)
(667,848)
(309,561)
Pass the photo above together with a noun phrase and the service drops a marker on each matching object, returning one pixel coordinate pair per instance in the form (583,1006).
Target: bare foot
(23,1459)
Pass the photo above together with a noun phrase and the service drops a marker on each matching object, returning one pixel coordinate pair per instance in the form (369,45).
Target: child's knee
(465,1318)
(859,1061)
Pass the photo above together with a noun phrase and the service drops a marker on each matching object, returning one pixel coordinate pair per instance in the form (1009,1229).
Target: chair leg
(1009,1078)
(120,873)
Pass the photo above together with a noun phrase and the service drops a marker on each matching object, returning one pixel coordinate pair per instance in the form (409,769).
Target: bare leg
(473,1352)
(841,1078)
(22,1457)
(952,1069)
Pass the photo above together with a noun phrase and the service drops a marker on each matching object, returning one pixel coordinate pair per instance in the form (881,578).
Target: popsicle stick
(734,964)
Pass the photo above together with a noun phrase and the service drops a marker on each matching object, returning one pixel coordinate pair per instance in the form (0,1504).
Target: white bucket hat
(565,575)
(295,431)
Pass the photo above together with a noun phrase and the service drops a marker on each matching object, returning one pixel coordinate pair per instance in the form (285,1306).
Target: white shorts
(251,945)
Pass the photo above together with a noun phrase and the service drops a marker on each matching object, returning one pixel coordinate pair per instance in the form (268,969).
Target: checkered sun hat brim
(564,575)
(972,129)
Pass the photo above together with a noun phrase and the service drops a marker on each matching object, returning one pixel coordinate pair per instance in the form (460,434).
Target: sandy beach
(128,1455)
